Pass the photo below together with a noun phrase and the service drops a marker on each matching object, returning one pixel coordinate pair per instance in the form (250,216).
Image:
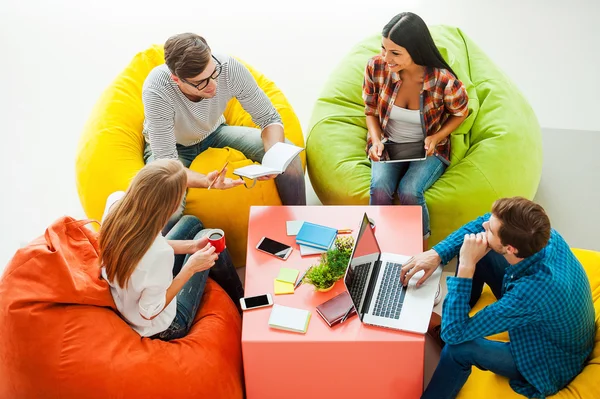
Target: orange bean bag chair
(60,335)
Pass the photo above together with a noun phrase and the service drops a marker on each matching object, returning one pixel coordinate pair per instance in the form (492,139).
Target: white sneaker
(438,296)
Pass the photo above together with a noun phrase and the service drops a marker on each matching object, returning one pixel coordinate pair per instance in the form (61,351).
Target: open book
(274,162)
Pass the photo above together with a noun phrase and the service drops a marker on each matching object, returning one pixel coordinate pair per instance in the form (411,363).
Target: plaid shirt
(546,307)
(442,95)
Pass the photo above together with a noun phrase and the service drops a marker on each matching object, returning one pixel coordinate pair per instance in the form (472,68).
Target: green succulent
(320,276)
(332,264)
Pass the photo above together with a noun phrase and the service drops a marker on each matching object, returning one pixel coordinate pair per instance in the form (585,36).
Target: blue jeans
(290,184)
(409,179)
(456,361)
(490,270)
(190,296)
(454,367)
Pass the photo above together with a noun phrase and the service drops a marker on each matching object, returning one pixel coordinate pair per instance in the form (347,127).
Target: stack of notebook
(316,236)
(289,319)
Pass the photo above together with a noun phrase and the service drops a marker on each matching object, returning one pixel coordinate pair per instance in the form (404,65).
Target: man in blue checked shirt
(543,301)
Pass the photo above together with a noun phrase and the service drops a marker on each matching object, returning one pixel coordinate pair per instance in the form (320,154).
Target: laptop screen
(360,267)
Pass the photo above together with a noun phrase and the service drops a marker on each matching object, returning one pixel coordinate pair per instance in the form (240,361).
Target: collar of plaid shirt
(429,79)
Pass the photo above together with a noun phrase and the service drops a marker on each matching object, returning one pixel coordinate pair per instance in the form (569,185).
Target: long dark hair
(408,30)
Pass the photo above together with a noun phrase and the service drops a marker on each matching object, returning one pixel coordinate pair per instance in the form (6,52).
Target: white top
(171,118)
(404,125)
(146,291)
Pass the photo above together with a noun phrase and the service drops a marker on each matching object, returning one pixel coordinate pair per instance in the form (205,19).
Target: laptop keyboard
(391,293)
(359,280)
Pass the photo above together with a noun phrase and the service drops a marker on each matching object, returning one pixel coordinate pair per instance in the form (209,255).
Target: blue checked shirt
(546,307)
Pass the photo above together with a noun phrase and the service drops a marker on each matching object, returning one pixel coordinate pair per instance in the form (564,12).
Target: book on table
(334,309)
(274,162)
(316,236)
(307,251)
(289,319)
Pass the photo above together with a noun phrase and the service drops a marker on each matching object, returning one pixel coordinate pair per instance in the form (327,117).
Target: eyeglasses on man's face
(201,85)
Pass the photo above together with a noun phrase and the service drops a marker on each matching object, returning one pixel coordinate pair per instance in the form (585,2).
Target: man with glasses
(184,100)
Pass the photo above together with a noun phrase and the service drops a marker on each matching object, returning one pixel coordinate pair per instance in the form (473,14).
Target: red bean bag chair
(60,335)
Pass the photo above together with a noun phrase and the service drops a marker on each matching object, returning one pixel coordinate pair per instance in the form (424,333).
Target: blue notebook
(316,236)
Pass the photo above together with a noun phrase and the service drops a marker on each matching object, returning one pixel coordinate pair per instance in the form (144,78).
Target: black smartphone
(275,248)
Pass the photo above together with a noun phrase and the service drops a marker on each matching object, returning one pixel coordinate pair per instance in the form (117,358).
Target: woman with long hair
(157,282)
(411,95)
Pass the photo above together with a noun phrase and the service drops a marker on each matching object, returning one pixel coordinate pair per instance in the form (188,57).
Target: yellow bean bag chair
(111,146)
(584,386)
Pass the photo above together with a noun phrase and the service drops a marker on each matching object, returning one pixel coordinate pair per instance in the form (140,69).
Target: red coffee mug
(216,237)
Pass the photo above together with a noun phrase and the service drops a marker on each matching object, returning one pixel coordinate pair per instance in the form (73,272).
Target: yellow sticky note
(279,287)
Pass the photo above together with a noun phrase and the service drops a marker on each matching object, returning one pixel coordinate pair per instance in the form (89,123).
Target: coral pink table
(350,360)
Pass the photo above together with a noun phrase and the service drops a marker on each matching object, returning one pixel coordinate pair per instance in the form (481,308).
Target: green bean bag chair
(496,152)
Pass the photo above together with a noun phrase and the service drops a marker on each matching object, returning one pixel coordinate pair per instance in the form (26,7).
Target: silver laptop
(373,281)
(403,152)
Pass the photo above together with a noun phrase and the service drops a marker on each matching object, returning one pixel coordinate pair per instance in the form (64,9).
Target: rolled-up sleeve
(370,95)
(456,99)
(253,99)
(159,125)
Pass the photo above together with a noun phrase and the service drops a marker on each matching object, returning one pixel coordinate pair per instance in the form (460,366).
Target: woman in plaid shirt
(410,94)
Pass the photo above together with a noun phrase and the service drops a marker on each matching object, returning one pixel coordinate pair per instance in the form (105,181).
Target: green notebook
(287,275)
(289,319)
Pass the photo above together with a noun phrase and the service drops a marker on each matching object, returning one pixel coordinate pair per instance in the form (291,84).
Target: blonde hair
(133,223)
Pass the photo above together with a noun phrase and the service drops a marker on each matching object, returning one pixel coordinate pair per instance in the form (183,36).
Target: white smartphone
(275,248)
(259,301)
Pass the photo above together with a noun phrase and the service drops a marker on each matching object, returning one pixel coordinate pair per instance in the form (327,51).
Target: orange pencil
(218,175)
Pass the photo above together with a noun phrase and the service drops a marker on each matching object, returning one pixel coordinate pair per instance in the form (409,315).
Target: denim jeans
(190,296)
(290,184)
(409,179)
(456,360)
(490,270)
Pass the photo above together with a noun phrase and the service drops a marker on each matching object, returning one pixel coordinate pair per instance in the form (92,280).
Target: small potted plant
(332,265)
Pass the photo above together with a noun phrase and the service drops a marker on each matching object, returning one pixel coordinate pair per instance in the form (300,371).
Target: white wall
(58,56)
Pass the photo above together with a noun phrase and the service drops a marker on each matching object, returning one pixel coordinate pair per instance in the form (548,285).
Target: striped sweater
(171,118)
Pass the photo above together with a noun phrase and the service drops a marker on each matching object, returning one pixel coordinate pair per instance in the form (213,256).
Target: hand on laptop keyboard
(427,261)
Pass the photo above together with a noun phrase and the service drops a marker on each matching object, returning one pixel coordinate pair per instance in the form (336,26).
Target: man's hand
(222,182)
(376,150)
(427,261)
(474,248)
